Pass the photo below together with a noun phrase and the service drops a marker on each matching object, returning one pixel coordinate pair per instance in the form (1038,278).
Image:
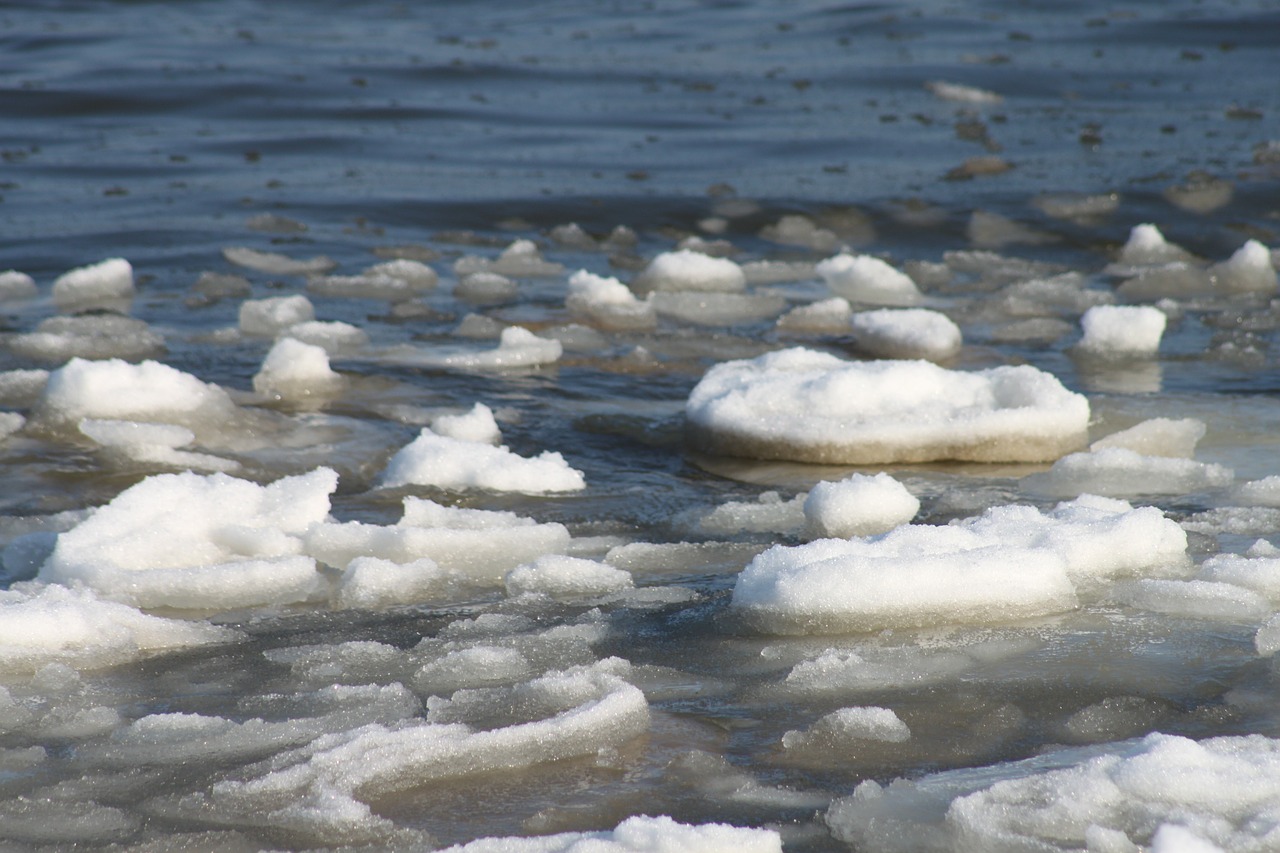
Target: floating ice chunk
(906,333)
(105,281)
(271,316)
(1260,574)
(962,93)
(835,671)
(192,541)
(794,229)
(1199,599)
(485,287)
(1170,281)
(717,309)
(638,835)
(117,390)
(776,272)
(447,463)
(277,264)
(317,787)
(860,505)
(517,347)
(371,582)
(293,370)
(476,666)
(476,425)
(10,423)
(689,270)
(1267,640)
(837,729)
(769,513)
(1122,330)
(89,336)
(1221,791)
(16,285)
(608,302)
(521,259)
(808,406)
(416,274)
(364,286)
(1264,492)
(862,278)
(827,316)
(153,444)
(1175,438)
(40,625)
(1063,294)
(559,576)
(1147,247)
(1118,471)
(333,337)
(1249,270)
(1011,562)
(420,512)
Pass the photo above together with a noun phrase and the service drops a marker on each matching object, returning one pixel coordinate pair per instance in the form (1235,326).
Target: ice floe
(861,505)
(906,333)
(810,406)
(863,278)
(294,370)
(104,282)
(689,270)
(641,834)
(1121,330)
(608,303)
(449,463)
(273,315)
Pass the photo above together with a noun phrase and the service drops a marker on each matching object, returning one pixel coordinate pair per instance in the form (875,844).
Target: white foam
(447,463)
(808,406)
(863,278)
(1118,471)
(202,542)
(843,728)
(271,316)
(1122,330)
(608,303)
(638,835)
(860,505)
(293,370)
(477,425)
(1011,562)
(1175,438)
(117,390)
(906,333)
(689,270)
(559,576)
(107,281)
(43,624)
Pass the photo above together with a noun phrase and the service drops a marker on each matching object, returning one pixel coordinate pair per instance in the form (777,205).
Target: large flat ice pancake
(808,406)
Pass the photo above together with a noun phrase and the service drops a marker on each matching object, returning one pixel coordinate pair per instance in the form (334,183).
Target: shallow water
(166,133)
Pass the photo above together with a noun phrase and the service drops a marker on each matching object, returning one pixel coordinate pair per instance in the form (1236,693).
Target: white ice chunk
(717,309)
(1011,562)
(559,576)
(837,729)
(860,505)
(107,280)
(1248,270)
(485,287)
(1198,599)
(293,370)
(517,347)
(793,229)
(477,425)
(608,303)
(118,390)
(638,835)
(371,582)
(153,444)
(826,316)
(186,540)
(420,512)
(808,406)
(447,463)
(365,286)
(521,259)
(1175,438)
(769,513)
(1118,471)
(274,263)
(89,336)
(689,270)
(836,671)
(1147,246)
(962,93)
(334,337)
(1263,492)
(15,284)
(271,316)
(1260,574)
(906,333)
(40,625)
(863,278)
(416,274)
(1122,330)
(1267,640)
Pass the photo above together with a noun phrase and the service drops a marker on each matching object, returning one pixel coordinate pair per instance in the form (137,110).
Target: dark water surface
(165,132)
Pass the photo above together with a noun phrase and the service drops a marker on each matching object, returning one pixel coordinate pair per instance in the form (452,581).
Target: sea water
(249,159)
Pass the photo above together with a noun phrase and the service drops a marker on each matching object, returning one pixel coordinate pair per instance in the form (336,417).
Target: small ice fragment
(277,264)
(16,285)
(1122,330)
(641,834)
(293,370)
(608,302)
(1249,270)
(269,317)
(863,278)
(1118,471)
(416,274)
(559,576)
(1146,246)
(1175,438)
(477,425)
(107,280)
(826,316)
(861,505)
(89,336)
(118,390)
(485,287)
(686,270)
(837,729)
(962,93)
(447,463)
(906,333)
